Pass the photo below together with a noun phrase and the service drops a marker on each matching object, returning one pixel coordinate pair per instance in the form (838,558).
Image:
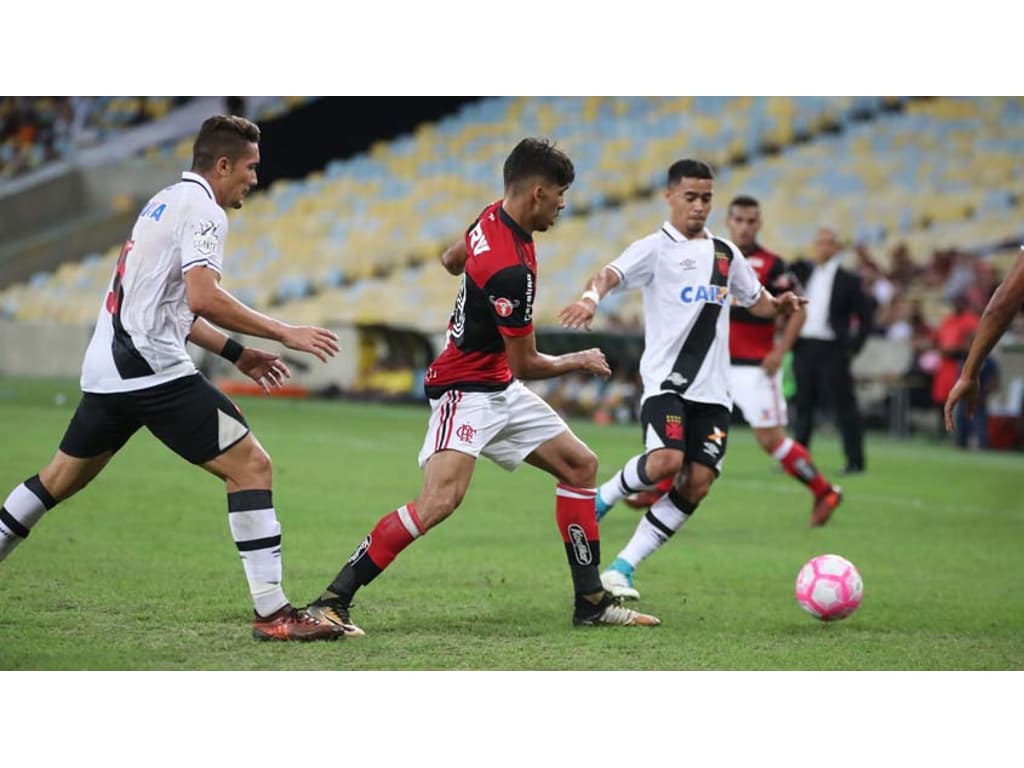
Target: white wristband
(593,295)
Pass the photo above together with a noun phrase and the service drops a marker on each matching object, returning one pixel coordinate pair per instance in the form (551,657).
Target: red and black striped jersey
(752,337)
(495,300)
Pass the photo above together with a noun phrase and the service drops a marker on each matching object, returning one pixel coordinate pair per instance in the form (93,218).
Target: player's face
(690,203)
(744,223)
(549,200)
(242,176)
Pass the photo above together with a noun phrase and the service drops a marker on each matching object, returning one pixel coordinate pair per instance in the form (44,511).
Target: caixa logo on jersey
(708,294)
(580,545)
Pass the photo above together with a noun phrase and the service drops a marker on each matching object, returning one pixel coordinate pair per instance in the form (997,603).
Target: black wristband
(232,350)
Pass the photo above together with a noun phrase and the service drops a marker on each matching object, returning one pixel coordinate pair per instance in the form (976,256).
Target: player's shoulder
(768,255)
(727,243)
(647,244)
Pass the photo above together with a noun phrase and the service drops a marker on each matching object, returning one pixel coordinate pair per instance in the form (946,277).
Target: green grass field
(139,570)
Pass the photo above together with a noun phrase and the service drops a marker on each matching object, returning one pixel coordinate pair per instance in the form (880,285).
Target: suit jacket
(850,310)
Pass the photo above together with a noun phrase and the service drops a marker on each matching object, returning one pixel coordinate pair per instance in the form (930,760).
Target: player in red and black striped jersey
(495,302)
(479,406)
(756,362)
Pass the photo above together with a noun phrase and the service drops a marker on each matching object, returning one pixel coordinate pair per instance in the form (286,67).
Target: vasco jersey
(496,300)
(686,284)
(139,340)
(752,337)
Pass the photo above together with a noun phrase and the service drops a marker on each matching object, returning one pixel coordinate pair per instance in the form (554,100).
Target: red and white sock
(577,523)
(796,460)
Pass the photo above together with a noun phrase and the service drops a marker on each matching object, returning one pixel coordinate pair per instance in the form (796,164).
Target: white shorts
(505,426)
(758,395)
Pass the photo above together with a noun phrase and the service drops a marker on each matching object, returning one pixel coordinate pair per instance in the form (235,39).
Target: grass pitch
(138,572)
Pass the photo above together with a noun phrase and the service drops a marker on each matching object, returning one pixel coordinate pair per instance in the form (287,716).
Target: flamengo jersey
(751,337)
(686,283)
(139,340)
(499,285)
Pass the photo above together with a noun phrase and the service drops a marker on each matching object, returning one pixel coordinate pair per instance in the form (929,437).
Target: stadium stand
(919,182)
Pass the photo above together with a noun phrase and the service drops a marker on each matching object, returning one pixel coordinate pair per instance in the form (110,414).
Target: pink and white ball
(829,587)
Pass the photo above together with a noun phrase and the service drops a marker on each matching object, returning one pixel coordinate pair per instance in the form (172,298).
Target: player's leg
(574,465)
(796,461)
(28,502)
(96,431)
(535,434)
(653,470)
(706,441)
(203,426)
(445,481)
(461,424)
(759,398)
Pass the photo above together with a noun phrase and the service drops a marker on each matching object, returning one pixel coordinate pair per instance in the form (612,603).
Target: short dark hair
(743,201)
(688,169)
(538,157)
(222,136)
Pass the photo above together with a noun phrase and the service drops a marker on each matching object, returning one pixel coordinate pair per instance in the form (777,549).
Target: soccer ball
(829,587)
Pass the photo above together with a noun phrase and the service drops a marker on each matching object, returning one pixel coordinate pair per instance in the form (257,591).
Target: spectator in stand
(903,269)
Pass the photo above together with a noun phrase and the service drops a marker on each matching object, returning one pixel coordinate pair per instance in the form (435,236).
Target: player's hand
(788,303)
(579,314)
(266,369)
(592,361)
(317,341)
(965,389)
(772,362)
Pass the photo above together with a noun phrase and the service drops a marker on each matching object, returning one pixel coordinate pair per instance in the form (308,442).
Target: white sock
(24,507)
(656,527)
(257,534)
(624,482)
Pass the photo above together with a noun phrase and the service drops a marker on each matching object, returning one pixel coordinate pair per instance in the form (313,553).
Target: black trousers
(822,373)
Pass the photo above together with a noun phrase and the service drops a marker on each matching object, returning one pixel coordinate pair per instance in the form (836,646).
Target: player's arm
(998,314)
(454,257)
(527,363)
(266,369)
(207,299)
(790,332)
(581,312)
(783,305)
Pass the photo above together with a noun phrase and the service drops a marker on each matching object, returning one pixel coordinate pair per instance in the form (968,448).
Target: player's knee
(259,467)
(436,507)
(662,463)
(768,439)
(582,469)
(697,483)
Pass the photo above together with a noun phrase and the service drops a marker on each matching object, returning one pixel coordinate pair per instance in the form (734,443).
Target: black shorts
(189,415)
(699,430)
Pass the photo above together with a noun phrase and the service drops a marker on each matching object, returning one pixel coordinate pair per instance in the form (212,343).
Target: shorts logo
(580,545)
(712,450)
(717,437)
(502,306)
(360,551)
(673,428)
(466,433)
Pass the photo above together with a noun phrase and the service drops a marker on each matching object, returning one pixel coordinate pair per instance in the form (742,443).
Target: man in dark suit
(837,325)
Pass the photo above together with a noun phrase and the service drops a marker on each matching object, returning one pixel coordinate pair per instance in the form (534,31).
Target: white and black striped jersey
(688,286)
(140,334)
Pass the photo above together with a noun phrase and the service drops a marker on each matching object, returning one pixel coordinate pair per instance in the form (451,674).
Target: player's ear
(223,165)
